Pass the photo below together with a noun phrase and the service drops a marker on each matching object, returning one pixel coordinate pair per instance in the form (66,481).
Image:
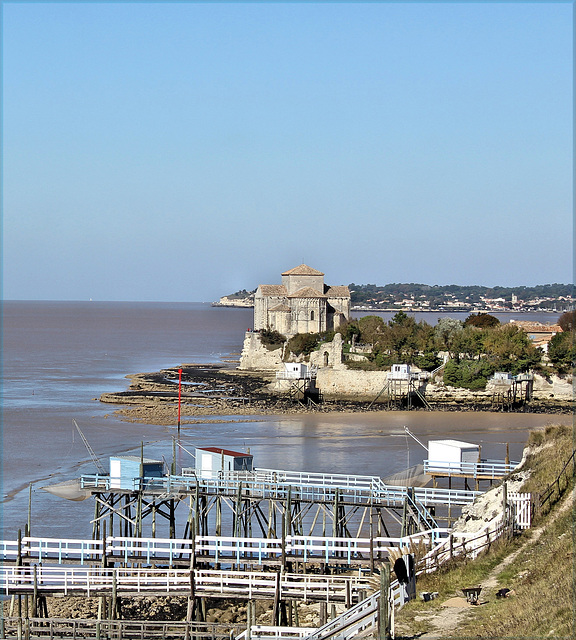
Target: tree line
(363,293)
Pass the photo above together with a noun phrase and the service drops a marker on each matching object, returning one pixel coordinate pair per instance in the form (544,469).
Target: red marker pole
(179,396)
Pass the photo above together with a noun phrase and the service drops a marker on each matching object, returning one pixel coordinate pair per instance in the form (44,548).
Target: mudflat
(221,390)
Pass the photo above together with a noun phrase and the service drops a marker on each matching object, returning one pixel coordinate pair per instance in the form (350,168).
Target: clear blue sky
(180,152)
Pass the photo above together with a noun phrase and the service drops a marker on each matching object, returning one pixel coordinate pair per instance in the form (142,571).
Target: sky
(184,151)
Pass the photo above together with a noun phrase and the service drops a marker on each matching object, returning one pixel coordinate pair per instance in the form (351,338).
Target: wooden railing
(91,581)
(92,629)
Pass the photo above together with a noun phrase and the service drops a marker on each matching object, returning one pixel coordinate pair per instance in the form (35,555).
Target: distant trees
(437,295)
(481,320)
(476,348)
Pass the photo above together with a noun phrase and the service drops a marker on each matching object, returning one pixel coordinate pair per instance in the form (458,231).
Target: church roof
(303,270)
(281,307)
(340,291)
(307,292)
(273,290)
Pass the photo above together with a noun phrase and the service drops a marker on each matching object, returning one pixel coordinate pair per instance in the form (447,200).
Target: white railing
(280,633)
(487,469)
(270,483)
(216,548)
(208,583)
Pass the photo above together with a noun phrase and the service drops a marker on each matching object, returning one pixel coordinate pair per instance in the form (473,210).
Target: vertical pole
(384,608)
(371,539)
(179,397)
(114,596)
(35,596)
(173,467)
(30,509)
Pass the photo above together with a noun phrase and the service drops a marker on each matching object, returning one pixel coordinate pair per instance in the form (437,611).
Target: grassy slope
(542,575)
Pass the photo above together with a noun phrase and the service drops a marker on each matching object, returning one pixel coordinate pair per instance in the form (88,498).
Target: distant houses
(539,333)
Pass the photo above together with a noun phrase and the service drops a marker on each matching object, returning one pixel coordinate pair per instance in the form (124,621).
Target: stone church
(301,304)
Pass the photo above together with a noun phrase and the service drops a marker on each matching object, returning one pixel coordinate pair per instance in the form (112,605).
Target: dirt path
(455,610)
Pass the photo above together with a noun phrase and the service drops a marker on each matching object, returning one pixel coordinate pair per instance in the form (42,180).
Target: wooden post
(283,540)
(35,596)
(276,610)
(323,613)
(371,540)
(384,608)
(30,510)
(505,505)
(114,603)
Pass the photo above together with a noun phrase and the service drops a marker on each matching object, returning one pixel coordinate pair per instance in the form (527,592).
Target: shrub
(303,343)
(272,339)
(468,374)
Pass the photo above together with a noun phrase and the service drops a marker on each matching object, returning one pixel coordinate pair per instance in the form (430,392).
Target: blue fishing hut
(125,471)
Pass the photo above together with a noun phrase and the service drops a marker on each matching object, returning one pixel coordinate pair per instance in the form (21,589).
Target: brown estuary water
(58,357)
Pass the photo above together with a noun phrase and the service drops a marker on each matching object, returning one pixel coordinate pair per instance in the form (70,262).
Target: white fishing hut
(210,461)
(399,372)
(125,471)
(451,454)
(295,371)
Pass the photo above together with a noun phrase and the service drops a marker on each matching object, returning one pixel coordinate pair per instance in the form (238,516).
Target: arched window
(311,315)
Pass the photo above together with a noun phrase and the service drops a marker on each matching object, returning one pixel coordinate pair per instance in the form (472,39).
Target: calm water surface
(58,357)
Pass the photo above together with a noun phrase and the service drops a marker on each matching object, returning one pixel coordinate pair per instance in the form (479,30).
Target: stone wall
(256,357)
(350,385)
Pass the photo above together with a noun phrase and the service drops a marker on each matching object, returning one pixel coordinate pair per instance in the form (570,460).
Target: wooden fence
(92,629)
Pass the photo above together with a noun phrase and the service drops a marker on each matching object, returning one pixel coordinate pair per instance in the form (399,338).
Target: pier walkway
(212,549)
(277,484)
(261,585)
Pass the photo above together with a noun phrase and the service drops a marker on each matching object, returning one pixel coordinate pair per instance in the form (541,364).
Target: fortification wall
(256,357)
(352,385)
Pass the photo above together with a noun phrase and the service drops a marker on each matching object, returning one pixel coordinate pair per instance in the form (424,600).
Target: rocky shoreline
(220,390)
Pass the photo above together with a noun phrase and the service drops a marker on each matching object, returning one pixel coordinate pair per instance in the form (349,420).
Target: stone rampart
(256,357)
(350,385)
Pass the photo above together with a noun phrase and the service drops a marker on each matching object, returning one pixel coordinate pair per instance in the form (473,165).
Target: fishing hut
(211,462)
(509,391)
(298,380)
(402,389)
(456,459)
(125,470)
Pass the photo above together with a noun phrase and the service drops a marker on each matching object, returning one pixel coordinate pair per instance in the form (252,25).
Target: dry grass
(542,575)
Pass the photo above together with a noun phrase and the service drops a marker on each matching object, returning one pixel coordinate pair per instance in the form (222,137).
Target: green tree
(371,328)
(568,320)
(445,333)
(272,339)
(562,352)
(303,343)
(481,320)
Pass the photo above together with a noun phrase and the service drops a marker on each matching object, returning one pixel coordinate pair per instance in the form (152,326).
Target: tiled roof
(340,291)
(281,307)
(226,452)
(537,327)
(307,292)
(273,290)
(303,270)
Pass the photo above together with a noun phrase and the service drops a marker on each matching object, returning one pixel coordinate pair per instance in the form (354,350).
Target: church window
(311,315)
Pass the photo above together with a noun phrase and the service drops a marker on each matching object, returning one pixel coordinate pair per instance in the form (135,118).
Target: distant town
(421,297)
